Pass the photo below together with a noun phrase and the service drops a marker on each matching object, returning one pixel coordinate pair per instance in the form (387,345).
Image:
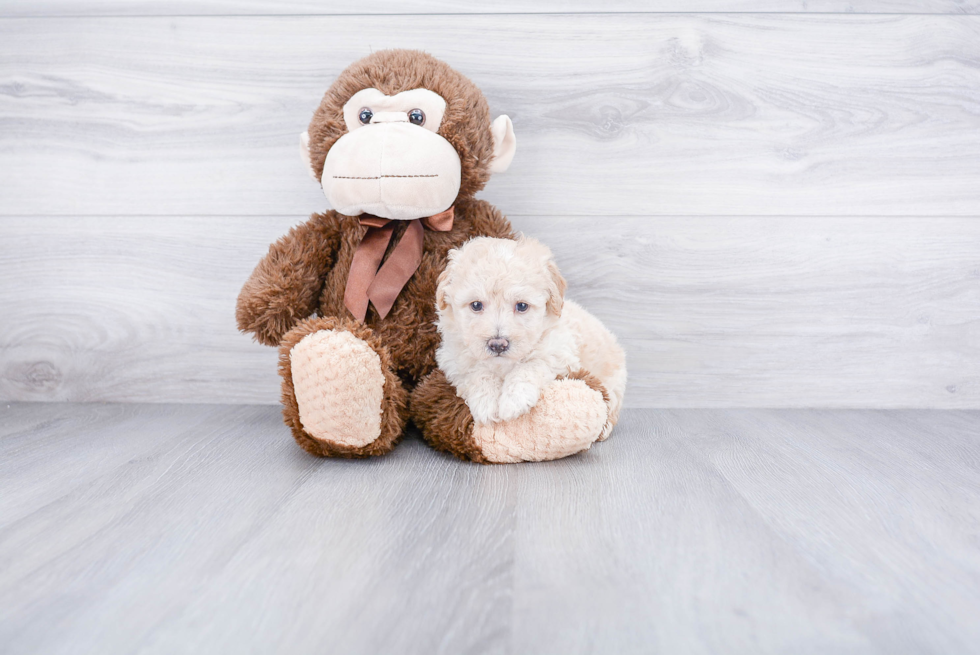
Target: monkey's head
(402,135)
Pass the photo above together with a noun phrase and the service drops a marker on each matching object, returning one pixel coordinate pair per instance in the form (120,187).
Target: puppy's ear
(445,280)
(442,285)
(556,289)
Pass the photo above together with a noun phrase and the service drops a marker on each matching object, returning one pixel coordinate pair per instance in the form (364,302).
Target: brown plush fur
(444,418)
(306,271)
(285,286)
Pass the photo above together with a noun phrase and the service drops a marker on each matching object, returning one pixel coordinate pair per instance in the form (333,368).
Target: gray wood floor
(202,528)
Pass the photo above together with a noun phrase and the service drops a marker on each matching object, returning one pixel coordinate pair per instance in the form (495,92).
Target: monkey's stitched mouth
(376,177)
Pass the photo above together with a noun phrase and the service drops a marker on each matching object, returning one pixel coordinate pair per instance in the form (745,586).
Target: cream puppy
(507,331)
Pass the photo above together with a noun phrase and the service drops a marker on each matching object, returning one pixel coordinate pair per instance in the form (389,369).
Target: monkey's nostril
(498,345)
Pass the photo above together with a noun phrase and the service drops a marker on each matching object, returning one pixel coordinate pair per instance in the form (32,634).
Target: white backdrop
(774,206)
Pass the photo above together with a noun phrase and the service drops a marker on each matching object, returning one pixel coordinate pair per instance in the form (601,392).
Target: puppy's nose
(498,345)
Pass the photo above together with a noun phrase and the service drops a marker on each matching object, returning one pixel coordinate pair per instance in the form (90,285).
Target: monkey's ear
(504,144)
(556,290)
(304,153)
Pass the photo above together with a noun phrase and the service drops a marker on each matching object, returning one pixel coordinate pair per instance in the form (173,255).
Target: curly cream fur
(497,289)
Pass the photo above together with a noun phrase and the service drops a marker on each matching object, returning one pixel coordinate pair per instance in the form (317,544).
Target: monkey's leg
(340,394)
(568,418)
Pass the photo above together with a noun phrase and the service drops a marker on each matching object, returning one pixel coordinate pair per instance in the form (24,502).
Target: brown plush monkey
(400,143)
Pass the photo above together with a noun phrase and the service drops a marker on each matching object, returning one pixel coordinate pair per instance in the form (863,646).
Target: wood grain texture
(762,311)
(194,508)
(41,8)
(99,309)
(615,114)
(157,529)
(755,531)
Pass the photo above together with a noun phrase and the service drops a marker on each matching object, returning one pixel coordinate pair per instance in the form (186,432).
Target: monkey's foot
(339,393)
(568,418)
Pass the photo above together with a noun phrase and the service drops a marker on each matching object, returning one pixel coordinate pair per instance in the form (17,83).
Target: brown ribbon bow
(367,282)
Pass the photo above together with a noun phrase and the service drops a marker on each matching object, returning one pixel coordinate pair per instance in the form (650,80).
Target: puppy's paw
(483,407)
(516,400)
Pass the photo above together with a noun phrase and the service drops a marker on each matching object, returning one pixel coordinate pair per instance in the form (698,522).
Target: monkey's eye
(416,116)
(476,306)
(521,307)
(365,116)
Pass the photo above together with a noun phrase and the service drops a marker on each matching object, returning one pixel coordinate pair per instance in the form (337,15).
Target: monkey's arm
(285,286)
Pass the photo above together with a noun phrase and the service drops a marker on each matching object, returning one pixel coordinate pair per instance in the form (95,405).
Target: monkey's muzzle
(394,170)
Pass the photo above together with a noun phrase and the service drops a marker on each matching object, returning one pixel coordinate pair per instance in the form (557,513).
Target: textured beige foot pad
(339,387)
(567,419)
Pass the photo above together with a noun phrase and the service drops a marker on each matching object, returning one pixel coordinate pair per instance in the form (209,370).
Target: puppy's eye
(476,306)
(521,307)
(365,116)
(416,116)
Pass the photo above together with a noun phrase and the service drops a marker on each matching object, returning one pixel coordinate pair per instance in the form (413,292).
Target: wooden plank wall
(772,203)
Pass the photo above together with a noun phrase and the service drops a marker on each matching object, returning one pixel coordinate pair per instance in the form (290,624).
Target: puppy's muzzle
(498,345)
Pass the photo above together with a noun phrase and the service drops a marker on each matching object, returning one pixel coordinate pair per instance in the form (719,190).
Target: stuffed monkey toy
(400,143)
